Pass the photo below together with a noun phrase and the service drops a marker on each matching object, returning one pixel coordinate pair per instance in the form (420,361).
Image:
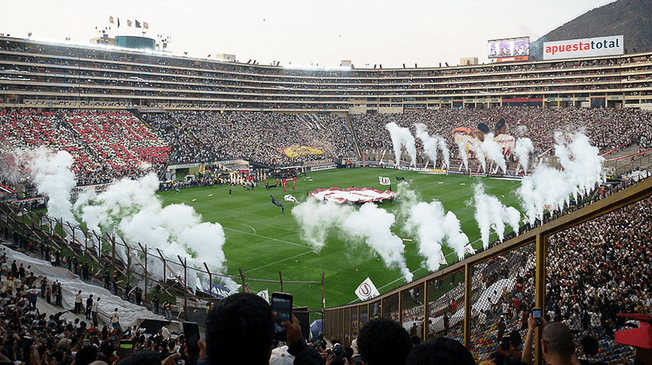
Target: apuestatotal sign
(585,47)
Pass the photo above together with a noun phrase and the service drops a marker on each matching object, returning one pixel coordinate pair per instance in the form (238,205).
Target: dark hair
(441,351)
(416,340)
(142,357)
(513,360)
(515,339)
(590,345)
(504,344)
(497,358)
(86,355)
(240,324)
(483,127)
(383,341)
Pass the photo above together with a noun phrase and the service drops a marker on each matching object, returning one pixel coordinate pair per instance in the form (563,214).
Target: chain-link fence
(584,267)
(111,259)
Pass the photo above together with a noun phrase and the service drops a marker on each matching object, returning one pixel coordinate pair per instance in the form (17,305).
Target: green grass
(263,242)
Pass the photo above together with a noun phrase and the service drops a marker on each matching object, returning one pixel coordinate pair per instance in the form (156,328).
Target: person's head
(590,345)
(86,355)
(441,351)
(242,324)
(500,127)
(504,344)
(557,342)
(383,341)
(416,340)
(515,340)
(142,357)
(497,358)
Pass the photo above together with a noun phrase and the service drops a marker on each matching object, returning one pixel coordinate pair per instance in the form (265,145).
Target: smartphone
(191,331)
(536,314)
(282,305)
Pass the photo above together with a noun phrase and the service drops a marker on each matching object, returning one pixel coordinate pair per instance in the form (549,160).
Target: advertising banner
(585,47)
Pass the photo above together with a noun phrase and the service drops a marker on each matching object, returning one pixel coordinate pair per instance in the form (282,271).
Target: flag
(290,198)
(366,290)
(384,180)
(145,25)
(129,23)
(442,258)
(220,291)
(137,23)
(110,19)
(264,294)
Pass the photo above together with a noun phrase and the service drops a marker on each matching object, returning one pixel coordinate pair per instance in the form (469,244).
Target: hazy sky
(323,32)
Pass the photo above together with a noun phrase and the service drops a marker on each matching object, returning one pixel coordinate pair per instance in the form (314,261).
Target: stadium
(157,169)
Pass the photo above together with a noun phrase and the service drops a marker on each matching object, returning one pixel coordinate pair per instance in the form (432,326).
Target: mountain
(630,18)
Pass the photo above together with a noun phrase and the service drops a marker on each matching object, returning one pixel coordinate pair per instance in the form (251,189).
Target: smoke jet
(490,212)
(402,137)
(431,144)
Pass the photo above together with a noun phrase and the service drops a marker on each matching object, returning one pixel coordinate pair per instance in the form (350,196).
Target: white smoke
(491,213)
(431,144)
(316,219)
(130,208)
(461,147)
(479,155)
(494,151)
(433,228)
(549,189)
(373,225)
(445,151)
(54,178)
(523,149)
(369,224)
(402,137)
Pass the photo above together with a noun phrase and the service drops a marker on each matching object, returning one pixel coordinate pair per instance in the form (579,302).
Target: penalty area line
(269,238)
(279,261)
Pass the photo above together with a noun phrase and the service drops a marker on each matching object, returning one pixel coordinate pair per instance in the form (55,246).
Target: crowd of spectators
(607,129)
(256,137)
(595,271)
(111,145)
(105,145)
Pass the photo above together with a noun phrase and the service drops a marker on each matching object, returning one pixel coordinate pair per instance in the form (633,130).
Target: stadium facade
(47,75)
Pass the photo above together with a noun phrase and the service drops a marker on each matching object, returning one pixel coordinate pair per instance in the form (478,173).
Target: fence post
(323,301)
(242,277)
(540,294)
(426,315)
(128,263)
(113,254)
(185,283)
(146,272)
(467,305)
(210,284)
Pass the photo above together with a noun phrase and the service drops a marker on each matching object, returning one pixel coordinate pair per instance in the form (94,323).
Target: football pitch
(263,242)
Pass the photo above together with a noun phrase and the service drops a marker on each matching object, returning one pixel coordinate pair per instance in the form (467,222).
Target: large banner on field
(584,47)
